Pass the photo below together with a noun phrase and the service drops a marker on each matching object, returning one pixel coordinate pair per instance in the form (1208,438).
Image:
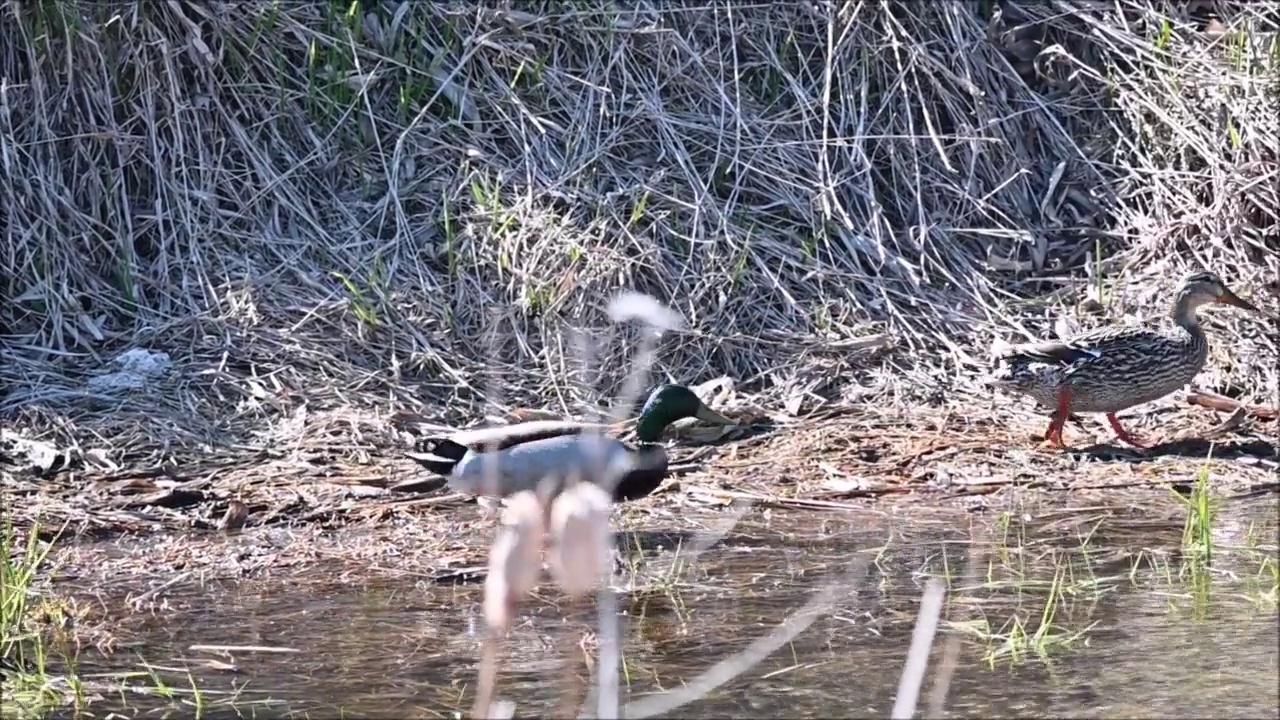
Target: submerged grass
(1197,532)
(1019,616)
(1266,583)
(26,614)
(1038,602)
(42,636)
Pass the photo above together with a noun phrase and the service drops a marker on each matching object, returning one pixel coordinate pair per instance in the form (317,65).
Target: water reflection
(1130,633)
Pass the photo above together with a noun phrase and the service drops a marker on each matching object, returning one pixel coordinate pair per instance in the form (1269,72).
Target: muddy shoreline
(248,514)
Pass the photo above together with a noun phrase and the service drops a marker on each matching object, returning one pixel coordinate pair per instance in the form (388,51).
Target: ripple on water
(1150,641)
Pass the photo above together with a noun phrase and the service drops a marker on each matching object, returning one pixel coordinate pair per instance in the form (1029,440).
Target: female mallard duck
(518,457)
(1112,369)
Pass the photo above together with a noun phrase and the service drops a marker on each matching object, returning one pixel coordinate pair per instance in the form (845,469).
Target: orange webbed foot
(1053,436)
(1053,441)
(1124,435)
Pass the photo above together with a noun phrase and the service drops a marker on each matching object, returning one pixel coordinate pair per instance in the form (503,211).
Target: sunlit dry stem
(631,305)
(580,554)
(584,347)
(581,536)
(493,391)
(658,317)
(609,655)
(581,540)
(515,561)
(636,306)
(626,306)
(488,674)
(824,601)
(912,678)
(571,689)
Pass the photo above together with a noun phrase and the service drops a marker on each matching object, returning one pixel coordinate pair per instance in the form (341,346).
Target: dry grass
(321,208)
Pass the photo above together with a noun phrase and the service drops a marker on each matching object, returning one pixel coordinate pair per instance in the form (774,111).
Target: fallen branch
(1213,400)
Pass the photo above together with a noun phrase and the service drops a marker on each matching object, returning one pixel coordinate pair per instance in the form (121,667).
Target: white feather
(999,348)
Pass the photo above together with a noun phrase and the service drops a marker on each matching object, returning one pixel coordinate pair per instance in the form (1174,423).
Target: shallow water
(1130,633)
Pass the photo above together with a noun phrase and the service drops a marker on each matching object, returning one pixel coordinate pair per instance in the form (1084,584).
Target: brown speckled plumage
(1112,369)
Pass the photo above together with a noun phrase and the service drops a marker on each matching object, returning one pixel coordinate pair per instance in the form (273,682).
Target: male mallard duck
(1112,369)
(523,454)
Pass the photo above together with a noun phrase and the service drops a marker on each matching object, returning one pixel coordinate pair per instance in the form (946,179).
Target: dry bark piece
(1213,400)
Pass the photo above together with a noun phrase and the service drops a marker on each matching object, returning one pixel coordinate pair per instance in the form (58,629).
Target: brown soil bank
(241,515)
(323,214)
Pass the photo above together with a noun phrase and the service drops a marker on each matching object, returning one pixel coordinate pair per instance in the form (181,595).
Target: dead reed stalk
(571,513)
(913,672)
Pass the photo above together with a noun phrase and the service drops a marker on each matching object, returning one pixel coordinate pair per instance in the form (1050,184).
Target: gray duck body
(502,461)
(522,467)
